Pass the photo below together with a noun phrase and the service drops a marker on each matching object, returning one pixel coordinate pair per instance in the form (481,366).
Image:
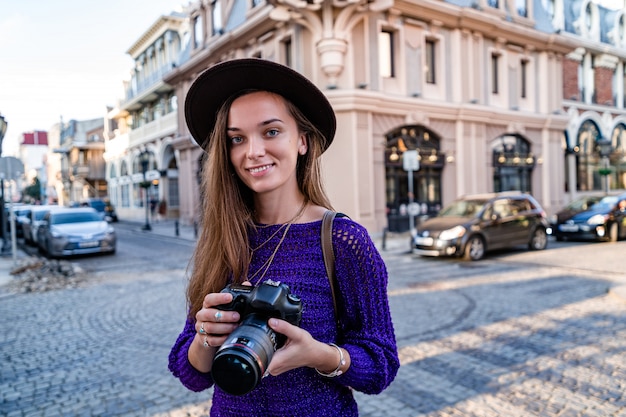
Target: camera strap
(329,256)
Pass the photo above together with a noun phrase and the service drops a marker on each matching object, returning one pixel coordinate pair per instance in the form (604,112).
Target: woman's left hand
(300,349)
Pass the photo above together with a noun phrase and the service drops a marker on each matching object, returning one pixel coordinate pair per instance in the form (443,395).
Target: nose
(256,147)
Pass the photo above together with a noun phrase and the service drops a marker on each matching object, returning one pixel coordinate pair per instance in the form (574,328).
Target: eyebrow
(263,123)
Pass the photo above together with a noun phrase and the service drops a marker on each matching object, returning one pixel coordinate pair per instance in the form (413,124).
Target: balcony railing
(139,85)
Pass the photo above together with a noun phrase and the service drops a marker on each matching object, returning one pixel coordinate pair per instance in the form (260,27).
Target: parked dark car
(75,231)
(473,225)
(103,207)
(604,221)
(578,205)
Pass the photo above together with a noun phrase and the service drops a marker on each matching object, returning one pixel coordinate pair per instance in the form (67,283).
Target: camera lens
(241,362)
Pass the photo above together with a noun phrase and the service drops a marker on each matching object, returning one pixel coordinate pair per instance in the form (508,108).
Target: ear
(302,144)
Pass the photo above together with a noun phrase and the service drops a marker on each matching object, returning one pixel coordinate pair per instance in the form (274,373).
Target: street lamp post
(144,159)
(606,148)
(3,130)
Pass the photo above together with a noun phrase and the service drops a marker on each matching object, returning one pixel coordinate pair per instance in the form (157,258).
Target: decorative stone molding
(577,54)
(606,61)
(329,27)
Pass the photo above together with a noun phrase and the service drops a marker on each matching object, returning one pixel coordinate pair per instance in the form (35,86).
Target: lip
(259,170)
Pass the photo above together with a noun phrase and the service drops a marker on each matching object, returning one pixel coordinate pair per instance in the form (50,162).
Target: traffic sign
(410,161)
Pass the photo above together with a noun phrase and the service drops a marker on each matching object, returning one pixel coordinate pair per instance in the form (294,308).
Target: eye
(235,140)
(272,132)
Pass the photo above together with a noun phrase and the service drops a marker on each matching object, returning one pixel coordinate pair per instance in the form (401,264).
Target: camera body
(269,299)
(241,361)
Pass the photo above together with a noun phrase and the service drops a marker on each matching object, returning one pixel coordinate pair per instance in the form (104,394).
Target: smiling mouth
(257,170)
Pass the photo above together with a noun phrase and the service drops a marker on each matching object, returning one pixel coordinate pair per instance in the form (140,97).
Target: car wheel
(559,238)
(538,240)
(474,249)
(613,232)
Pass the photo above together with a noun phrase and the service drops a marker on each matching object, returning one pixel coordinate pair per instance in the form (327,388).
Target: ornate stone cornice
(330,22)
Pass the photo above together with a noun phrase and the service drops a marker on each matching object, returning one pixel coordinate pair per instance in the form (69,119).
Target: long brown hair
(222,251)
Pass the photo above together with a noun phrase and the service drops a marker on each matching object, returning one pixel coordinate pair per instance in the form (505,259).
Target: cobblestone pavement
(492,338)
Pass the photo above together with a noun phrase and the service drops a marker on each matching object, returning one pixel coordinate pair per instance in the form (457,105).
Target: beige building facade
(474,93)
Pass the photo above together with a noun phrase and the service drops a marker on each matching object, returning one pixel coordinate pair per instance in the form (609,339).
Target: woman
(262,210)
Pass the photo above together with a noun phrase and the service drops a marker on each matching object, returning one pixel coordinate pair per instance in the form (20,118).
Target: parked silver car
(75,231)
(32,222)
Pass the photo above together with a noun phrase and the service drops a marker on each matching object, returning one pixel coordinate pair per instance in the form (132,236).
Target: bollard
(177,232)
(195,229)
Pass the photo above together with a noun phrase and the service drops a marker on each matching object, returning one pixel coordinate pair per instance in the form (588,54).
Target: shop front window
(513,164)
(422,197)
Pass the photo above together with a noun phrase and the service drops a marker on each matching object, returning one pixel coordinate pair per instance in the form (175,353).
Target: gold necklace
(298,214)
(266,265)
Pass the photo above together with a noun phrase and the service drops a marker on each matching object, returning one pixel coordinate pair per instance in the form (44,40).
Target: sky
(66,58)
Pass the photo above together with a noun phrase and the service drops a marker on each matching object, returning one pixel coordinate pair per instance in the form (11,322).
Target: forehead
(260,99)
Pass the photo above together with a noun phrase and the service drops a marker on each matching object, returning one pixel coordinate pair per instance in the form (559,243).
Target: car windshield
(583,203)
(607,203)
(63,218)
(463,208)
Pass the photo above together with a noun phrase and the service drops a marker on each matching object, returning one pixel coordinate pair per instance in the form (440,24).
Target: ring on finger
(202,331)
(218,316)
(206,342)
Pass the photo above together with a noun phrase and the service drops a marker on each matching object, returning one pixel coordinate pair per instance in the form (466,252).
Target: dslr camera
(241,361)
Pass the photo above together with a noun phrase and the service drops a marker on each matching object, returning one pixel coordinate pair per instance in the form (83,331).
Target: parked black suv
(475,224)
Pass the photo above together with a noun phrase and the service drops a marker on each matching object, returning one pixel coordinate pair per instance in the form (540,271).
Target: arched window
(112,171)
(618,156)
(587,157)
(426,181)
(513,164)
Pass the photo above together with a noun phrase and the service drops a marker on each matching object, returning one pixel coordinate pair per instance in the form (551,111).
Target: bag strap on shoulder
(329,256)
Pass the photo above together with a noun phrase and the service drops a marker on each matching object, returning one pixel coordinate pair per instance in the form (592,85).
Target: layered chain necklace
(266,265)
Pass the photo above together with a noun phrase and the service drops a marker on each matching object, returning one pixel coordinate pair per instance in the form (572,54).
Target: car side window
(501,208)
(519,206)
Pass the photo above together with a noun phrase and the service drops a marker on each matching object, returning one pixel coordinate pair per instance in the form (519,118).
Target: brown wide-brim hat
(214,86)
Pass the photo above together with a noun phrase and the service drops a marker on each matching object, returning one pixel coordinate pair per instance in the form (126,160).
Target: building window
(386,53)
(431,61)
(549,7)
(588,18)
(521,7)
(287,55)
(255,3)
(513,164)
(587,157)
(495,62)
(524,78)
(216,17)
(624,86)
(494,3)
(197,32)
(618,157)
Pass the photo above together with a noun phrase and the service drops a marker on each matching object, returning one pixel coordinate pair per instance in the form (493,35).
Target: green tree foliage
(32,193)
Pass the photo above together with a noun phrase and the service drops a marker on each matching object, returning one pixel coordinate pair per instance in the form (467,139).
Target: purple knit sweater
(367,332)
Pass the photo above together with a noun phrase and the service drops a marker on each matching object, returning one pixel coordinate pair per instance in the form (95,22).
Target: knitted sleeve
(367,330)
(179,364)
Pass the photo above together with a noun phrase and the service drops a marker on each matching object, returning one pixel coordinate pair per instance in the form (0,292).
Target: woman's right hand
(212,328)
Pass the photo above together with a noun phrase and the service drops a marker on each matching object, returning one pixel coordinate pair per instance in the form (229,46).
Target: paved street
(518,334)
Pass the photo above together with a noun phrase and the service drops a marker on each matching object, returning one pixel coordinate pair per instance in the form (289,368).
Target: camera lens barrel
(240,363)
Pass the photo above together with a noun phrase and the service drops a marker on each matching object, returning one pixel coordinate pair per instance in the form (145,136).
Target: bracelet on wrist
(337,371)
